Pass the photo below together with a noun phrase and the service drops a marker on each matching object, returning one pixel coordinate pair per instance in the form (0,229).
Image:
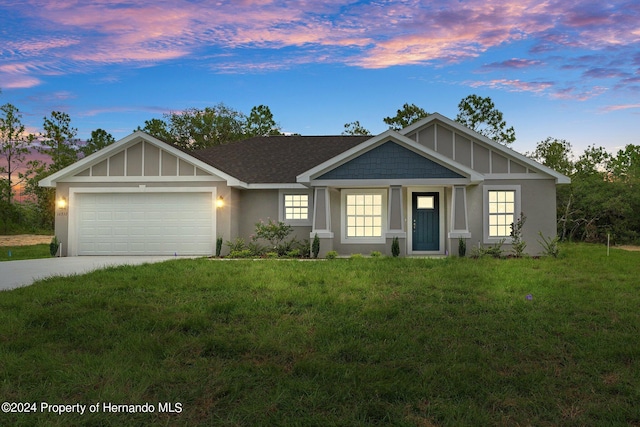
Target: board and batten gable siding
(473,154)
(142,159)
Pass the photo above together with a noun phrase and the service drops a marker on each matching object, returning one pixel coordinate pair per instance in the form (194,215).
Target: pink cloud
(514,85)
(17,81)
(77,35)
(514,63)
(575,93)
(611,108)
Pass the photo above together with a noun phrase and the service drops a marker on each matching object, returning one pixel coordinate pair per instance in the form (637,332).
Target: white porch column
(395,221)
(321,213)
(395,217)
(322,220)
(459,215)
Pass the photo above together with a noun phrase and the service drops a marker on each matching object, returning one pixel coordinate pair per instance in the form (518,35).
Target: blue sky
(562,68)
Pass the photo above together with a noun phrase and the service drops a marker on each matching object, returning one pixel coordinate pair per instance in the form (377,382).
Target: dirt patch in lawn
(629,248)
(24,240)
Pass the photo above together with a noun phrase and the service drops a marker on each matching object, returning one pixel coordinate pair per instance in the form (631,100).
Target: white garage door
(145,224)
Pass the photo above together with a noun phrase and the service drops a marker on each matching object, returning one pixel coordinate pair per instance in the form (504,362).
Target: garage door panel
(145,224)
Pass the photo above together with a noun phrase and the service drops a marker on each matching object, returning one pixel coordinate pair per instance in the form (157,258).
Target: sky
(565,69)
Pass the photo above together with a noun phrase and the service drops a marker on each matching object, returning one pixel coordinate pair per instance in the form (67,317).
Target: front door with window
(426,222)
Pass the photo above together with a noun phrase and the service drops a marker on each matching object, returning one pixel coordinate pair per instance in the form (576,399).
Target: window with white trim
(364,216)
(501,212)
(501,205)
(296,206)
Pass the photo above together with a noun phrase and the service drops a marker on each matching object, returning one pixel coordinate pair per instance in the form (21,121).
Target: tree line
(475,112)
(603,199)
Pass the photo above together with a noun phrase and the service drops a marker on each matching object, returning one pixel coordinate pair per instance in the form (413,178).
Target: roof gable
(390,161)
(407,153)
(138,156)
(455,141)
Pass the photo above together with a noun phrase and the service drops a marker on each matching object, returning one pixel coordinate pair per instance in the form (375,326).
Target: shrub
(256,249)
(331,255)
(287,246)
(494,251)
(549,245)
(275,232)
(218,246)
(462,247)
(305,248)
(395,247)
(518,245)
(356,256)
(315,247)
(294,253)
(271,255)
(245,253)
(376,254)
(53,246)
(236,246)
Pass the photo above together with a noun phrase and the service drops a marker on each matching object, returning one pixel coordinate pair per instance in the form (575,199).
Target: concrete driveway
(15,274)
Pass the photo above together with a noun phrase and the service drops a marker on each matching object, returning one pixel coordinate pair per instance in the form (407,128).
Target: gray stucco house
(430,184)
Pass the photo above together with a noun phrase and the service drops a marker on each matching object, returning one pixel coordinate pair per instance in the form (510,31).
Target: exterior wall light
(220,202)
(62,203)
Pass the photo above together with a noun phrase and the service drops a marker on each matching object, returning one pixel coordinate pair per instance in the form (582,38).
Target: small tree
(275,232)
(518,245)
(59,143)
(218,246)
(395,247)
(14,147)
(53,246)
(315,248)
(462,247)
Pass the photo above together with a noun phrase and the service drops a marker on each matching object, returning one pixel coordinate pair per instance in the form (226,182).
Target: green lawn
(411,342)
(14,253)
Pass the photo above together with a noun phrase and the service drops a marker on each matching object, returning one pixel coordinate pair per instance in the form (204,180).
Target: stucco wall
(256,205)
(538,203)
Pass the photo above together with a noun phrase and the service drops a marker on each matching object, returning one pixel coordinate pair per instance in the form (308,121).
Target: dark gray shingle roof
(275,159)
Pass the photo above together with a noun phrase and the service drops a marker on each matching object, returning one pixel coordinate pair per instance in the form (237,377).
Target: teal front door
(426,221)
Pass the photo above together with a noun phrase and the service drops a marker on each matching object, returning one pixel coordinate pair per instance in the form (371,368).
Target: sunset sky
(562,68)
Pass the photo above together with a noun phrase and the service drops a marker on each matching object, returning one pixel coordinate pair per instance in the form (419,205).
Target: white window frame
(281,208)
(517,209)
(383,215)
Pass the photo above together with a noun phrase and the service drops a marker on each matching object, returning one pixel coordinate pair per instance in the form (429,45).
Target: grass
(14,253)
(381,341)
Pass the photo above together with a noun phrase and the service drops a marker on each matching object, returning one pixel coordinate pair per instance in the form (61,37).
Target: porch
(427,220)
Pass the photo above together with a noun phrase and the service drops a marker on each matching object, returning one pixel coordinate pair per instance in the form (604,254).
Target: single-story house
(429,185)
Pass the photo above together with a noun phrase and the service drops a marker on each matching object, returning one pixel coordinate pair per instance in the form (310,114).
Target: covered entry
(425,222)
